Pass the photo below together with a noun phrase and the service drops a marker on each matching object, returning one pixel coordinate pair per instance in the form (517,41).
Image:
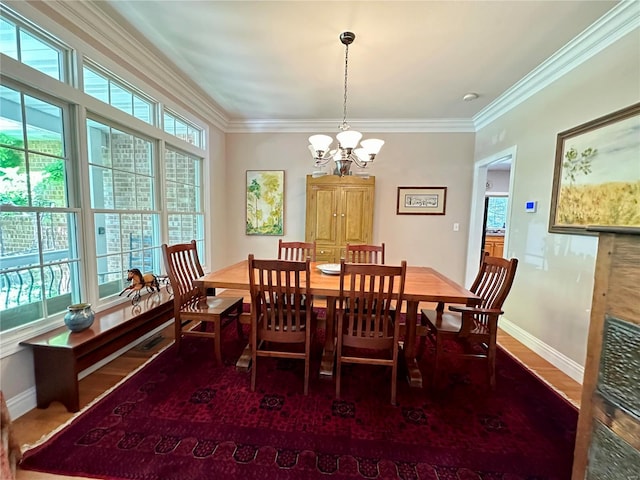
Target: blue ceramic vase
(79,317)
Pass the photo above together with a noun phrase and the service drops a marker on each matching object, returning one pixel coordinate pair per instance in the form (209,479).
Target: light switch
(456,227)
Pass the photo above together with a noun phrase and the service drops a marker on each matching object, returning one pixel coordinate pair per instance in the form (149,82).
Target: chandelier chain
(344,125)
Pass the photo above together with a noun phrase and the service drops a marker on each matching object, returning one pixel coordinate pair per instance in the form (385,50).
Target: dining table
(422,284)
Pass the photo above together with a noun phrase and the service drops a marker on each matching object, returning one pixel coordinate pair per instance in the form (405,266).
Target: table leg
(243,364)
(329,352)
(413,372)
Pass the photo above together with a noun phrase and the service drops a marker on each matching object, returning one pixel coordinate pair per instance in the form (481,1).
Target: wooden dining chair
(297,251)
(281,311)
(474,328)
(372,326)
(365,254)
(192,308)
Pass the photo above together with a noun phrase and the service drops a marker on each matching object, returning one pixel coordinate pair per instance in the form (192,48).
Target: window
(182,129)
(105,88)
(123,190)
(40,271)
(32,48)
(56,197)
(497,213)
(183,199)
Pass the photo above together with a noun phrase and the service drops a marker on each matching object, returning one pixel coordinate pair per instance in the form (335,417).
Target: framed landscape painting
(265,202)
(596,180)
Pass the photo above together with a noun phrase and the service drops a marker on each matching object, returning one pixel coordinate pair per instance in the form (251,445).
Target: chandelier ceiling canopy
(348,151)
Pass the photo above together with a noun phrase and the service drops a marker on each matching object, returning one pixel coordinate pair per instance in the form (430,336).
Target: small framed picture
(421,200)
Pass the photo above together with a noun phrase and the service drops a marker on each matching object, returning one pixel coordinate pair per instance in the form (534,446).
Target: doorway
(493,176)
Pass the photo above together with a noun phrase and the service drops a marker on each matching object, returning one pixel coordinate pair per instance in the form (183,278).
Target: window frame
(82,105)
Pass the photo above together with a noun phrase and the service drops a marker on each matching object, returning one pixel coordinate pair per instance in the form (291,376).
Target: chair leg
(254,356)
(394,373)
(491,364)
(177,333)
(338,364)
(437,361)
(307,355)
(218,346)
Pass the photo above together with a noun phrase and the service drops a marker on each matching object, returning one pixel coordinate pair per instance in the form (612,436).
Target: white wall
(420,159)
(551,297)
(499,181)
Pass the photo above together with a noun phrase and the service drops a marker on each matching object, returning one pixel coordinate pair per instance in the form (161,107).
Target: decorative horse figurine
(140,281)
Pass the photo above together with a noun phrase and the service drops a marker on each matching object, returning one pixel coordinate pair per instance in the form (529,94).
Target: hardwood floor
(37,423)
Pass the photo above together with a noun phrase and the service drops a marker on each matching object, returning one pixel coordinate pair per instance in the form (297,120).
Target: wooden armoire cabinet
(608,437)
(339,211)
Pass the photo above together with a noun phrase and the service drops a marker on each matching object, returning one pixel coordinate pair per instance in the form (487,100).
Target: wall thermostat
(531,206)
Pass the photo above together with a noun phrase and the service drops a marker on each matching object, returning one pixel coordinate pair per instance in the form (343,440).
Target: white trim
(436,125)
(553,356)
(22,403)
(617,22)
(25,401)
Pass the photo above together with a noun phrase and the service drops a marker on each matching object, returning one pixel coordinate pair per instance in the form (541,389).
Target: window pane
(20,276)
(44,126)
(96,85)
(144,193)
(194,136)
(107,233)
(497,212)
(169,124)
(143,153)
(8,39)
(48,181)
(121,98)
(122,152)
(111,276)
(13,178)
(39,55)
(184,228)
(54,238)
(181,130)
(142,109)
(101,184)
(124,190)
(11,113)
(98,139)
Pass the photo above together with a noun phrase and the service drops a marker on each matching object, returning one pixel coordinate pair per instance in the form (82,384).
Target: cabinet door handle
(335,214)
(343,214)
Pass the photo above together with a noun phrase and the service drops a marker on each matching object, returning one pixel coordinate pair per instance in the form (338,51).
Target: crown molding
(616,23)
(99,23)
(445,125)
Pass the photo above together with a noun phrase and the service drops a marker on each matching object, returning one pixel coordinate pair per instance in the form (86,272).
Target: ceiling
(411,60)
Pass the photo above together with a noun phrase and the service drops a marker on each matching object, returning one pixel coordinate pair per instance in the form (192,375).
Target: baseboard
(557,359)
(25,401)
(22,403)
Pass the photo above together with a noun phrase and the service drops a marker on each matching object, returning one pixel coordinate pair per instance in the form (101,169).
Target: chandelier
(347,139)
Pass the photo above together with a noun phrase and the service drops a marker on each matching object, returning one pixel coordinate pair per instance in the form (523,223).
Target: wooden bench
(60,355)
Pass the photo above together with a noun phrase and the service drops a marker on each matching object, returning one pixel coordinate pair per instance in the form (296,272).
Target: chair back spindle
(296,251)
(365,254)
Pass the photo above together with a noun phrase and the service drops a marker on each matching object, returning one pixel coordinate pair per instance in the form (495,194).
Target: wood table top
(421,283)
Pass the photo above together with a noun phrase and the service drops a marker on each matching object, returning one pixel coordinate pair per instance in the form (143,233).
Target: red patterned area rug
(182,417)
